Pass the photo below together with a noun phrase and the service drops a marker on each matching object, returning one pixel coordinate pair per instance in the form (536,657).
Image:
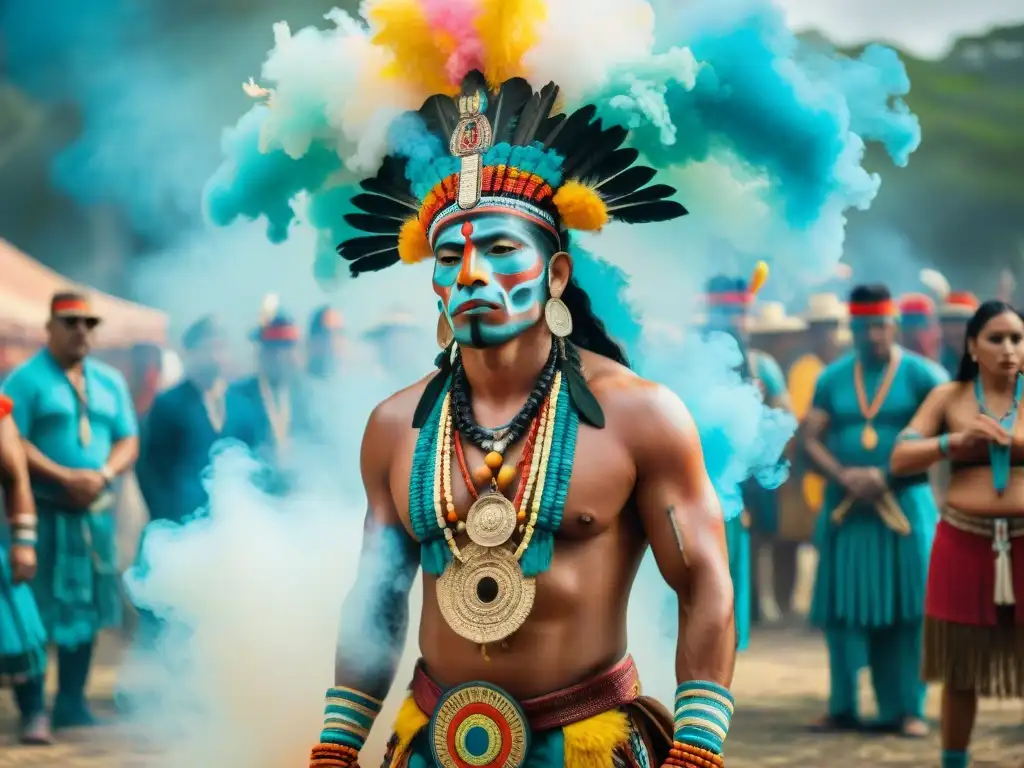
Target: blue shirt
(46,410)
(836,395)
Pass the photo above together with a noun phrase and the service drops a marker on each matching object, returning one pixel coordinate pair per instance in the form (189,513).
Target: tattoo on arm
(675,527)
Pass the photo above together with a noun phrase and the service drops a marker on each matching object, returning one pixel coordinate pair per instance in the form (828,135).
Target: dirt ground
(780,686)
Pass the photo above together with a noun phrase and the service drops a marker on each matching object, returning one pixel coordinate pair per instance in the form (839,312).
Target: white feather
(269,308)
(936,282)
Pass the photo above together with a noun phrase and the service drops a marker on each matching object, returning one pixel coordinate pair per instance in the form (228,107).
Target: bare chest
(600,487)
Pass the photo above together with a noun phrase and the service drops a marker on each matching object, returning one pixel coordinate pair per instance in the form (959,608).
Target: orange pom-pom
(580,207)
(759,278)
(413,246)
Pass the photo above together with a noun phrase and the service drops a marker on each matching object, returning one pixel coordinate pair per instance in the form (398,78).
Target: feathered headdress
(507,152)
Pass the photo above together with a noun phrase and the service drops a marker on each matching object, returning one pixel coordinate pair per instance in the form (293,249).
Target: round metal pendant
(477,725)
(491,520)
(485,598)
(558,318)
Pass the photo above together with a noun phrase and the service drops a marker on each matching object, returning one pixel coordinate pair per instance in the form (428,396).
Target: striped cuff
(702,715)
(348,717)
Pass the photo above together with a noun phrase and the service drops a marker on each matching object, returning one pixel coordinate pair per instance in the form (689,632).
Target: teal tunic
(869,589)
(22,636)
(77,585)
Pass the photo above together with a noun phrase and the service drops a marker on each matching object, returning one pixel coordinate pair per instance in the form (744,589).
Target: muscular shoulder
(648,417)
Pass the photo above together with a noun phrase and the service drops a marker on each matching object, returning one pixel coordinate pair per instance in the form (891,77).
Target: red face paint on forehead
(467,249)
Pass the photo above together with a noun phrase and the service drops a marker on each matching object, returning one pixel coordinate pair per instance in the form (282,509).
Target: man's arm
(21,388)
(14,472)
(375,614)
(682,518)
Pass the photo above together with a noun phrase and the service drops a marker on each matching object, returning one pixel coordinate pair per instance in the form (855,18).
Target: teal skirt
(737,536)
(870,577)
(22,637)
(77,586)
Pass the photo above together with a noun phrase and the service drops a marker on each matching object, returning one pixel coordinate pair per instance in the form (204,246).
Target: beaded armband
(702,716)
(23,530)
(348,717)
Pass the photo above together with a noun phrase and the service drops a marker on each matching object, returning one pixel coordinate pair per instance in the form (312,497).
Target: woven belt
(610,690)
(1000,530)
(888,509)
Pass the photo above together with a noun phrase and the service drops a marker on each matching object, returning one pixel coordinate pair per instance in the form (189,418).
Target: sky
(924,27)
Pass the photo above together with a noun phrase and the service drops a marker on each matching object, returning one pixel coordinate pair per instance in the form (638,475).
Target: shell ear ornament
(556,313)
(445,333)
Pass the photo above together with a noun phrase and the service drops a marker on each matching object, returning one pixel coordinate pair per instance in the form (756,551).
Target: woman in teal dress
(22,637)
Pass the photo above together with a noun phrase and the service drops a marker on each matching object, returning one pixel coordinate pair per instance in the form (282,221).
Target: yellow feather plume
(413,246)
(758,278)
(508,29)
(402,27)
(580,207)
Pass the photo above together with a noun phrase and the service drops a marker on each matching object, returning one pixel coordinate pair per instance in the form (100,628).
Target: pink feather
(455,18)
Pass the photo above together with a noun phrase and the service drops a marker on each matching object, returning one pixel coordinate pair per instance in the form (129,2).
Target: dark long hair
(588,332)
(968,369)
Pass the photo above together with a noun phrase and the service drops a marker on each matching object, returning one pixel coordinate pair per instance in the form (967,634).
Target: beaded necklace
(999,455)
(542,489)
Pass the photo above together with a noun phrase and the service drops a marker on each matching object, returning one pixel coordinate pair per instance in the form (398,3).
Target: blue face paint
(490,273)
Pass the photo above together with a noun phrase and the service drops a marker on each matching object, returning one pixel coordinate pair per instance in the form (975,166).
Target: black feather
(615,163)
(645,195)
(391,181)
(583,399)
(374,263)
(504,108)
(534,114)
(361,247)
(548,126)
(433,390)
(595,152)
(474,81)
(440,115)
(646,213)
(566,134)
(630,180)
(377,224)
(383,206)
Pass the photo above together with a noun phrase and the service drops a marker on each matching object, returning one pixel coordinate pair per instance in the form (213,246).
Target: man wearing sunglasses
(79,431)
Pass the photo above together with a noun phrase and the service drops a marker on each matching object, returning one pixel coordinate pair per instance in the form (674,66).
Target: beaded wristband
(24,539)
(333,756)
(944,444)
(703,714)
(685,756)
(348,717)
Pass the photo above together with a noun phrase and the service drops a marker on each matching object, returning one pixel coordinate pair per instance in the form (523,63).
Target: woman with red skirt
(974,606)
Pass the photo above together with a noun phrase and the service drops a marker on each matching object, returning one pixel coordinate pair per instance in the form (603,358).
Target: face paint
(490,273)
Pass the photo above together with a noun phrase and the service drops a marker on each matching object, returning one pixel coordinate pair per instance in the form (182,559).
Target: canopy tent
(26,287)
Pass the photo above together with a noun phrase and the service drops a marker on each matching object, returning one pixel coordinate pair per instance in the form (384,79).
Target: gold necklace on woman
(868,435)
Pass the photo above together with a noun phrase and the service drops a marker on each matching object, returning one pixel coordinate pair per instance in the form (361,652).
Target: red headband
(71,307)
(730,298)
(883,308)
(917,304)
(962,299)
(279,333)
